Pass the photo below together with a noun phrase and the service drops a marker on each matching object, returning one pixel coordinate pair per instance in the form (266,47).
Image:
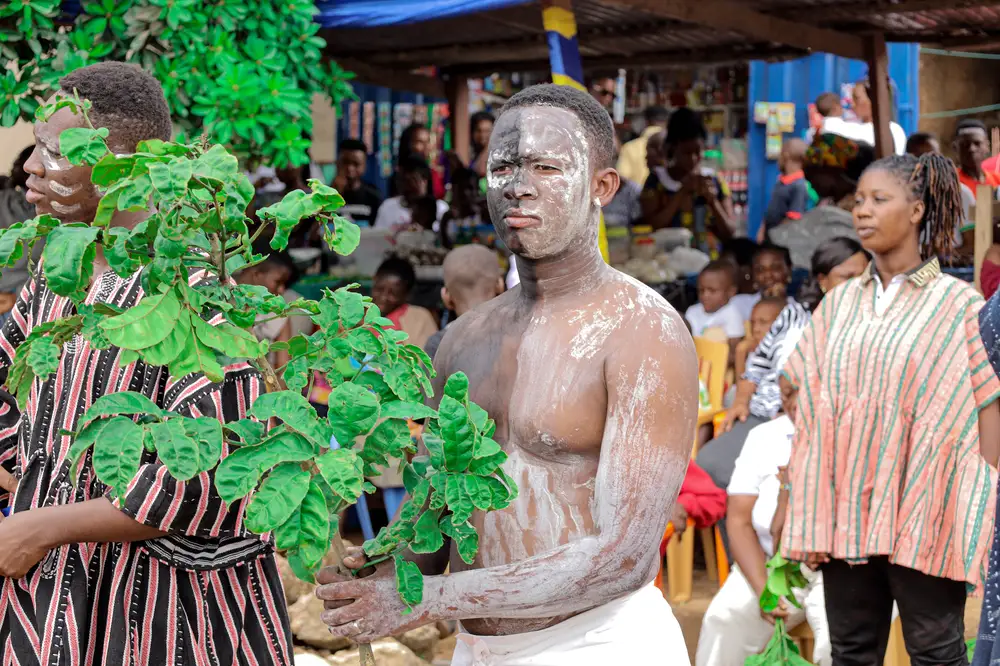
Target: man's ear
(605,185)
(447,299)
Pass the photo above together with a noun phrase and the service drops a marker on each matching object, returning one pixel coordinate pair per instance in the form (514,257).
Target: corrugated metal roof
(613,34)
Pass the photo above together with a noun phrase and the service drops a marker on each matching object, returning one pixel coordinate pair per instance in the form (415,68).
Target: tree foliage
(194,319)
(244,72)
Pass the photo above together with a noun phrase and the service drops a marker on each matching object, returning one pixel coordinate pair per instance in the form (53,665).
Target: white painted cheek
(64,190)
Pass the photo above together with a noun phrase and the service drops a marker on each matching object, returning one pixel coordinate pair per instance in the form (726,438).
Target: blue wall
(801,82)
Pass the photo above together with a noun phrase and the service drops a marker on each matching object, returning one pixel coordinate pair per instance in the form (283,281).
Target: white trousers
(733,629)
(636,629)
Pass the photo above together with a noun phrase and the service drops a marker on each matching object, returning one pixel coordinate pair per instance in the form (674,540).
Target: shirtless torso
(592,380)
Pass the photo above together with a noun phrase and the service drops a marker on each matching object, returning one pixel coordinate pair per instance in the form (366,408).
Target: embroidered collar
(919,276)
(792,177)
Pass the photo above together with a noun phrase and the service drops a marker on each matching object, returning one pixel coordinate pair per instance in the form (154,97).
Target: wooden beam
(878,77)
(984,229)
(397,80)
(458,108)
(735,16)
(866,8)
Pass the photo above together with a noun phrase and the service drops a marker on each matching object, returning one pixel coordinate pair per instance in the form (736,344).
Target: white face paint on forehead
(539,176)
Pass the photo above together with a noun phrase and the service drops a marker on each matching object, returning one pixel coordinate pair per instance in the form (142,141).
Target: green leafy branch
(783,578)
(195,319)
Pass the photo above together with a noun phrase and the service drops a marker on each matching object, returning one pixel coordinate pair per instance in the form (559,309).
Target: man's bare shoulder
(487,317)
(645,316)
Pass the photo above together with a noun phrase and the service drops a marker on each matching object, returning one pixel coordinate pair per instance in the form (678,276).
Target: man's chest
(542,398)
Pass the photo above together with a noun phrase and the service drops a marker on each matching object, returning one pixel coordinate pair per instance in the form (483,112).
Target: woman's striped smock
(886,455)
(209,594)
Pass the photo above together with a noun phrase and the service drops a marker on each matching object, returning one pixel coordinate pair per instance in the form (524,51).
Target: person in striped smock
(165,573)
(892,473)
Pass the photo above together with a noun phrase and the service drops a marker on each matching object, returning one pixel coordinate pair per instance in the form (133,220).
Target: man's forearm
(568,579)
(93,521)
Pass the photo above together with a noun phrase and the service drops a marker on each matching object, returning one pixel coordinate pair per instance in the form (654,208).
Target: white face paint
(539,177)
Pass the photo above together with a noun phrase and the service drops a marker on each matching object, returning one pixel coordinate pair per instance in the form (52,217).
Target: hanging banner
(402,117)
(368,127)
(385,139)
(354,120)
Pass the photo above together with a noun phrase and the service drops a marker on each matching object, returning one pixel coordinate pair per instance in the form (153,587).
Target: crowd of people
(861,435)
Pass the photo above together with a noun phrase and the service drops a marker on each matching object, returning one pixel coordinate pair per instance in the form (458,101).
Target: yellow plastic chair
(713,359)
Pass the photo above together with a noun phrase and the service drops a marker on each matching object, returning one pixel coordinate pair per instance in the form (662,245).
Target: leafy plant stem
(366,656)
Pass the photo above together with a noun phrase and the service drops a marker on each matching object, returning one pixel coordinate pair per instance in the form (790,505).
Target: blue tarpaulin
(372,13)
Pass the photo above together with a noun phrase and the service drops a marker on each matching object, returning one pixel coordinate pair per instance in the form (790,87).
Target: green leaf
(482,421)
(479,492)
(459,501)
(134,195)
(83,146)
(364,341)
(457,387)
(171,179)
(390,437)
(308,528)
(409,583)
(84,440)
(116,252)
(287,213)
(300,568)
(296,412)
(197,357)
(122,402)
(118,452)
(487,456)
(352,307)
(90,329)
(169,349)
(353,410)
(69,258)
(343,470)
(346,238)
(427,533)
(208,433)
(145,324)
(240,471)
(251,432)
(277,498)
(228,339)
(43,357)
(296,374)
(458,432)
(176,449)
(398,409)
(501,495)
(435,447)
(465,537)
(111,168)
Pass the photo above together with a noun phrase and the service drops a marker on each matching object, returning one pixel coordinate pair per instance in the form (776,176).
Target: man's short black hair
(685,125)
(415,165)
(352,144)
(919,139)
(399,267)
(124,98)
(595,120)
(655,115)
(827,103)
(968,124)
(481,117)
(779,250)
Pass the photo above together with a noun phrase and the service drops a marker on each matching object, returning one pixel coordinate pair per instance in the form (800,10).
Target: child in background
(275,274)
(391,287)
(922,142)
(472,276)
(830,109)
(790,196)
(424,213)
(458,226)
(761,318)
(716,285)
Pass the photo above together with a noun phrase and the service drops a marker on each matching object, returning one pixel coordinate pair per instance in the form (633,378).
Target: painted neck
(576,271)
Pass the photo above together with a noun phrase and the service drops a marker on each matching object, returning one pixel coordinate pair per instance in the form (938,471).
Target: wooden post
(878,77)
(458,108)
(984,228)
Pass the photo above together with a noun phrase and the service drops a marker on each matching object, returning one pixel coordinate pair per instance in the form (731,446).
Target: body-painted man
(592,379)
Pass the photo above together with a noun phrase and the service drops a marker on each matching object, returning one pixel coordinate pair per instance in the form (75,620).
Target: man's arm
(650,423)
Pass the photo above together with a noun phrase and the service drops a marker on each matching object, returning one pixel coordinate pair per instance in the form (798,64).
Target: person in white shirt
(414,180)
(716,286)
(734,626)
(866,129)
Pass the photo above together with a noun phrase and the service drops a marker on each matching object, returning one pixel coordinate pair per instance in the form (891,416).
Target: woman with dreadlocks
(892,472)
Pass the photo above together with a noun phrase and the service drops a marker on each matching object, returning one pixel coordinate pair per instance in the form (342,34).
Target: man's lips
(865,232)
(519,219)
(33,196)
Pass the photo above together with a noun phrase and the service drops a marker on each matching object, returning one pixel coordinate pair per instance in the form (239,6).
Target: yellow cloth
(602,239)
(632,158)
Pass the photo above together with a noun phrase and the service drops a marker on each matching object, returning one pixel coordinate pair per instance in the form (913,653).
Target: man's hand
(22,544)
(737,412)
(679,518)
(367,608)
(780,612)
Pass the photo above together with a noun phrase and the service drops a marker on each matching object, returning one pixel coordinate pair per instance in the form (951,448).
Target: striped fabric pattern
(762,365)
(886,455)
(208,594)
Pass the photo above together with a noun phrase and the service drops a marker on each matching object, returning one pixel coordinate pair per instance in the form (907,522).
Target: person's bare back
(592,380)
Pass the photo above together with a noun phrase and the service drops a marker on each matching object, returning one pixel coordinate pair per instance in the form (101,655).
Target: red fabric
(704,502)
(397,315)
(793,215)
(992,164)
(989,278)
(991,178)
(791,177)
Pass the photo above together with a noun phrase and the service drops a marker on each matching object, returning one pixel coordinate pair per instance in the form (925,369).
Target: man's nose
(521,186)
(33,165)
